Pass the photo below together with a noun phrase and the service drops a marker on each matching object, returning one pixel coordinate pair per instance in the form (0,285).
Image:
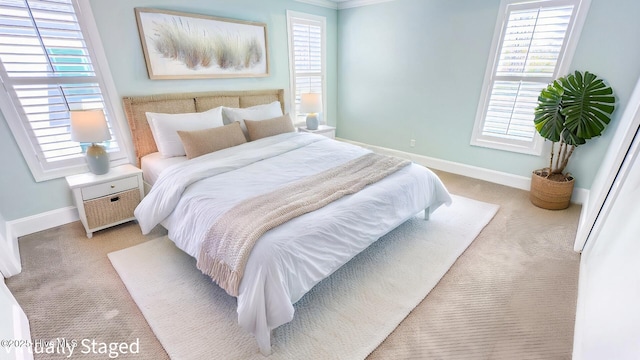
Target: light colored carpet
(346,316)
(510,295)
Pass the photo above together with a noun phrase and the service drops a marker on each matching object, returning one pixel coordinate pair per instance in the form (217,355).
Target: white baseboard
(32,224)
(580,195)
(43,221)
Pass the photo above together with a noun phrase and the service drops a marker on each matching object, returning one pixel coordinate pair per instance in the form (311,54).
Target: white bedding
(153,164)
(290,259)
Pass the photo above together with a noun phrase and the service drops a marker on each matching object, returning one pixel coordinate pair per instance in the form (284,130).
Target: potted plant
(571,110)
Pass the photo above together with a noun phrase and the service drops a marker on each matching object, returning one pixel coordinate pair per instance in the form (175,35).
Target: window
(48,68)
(307,58)
(533,44)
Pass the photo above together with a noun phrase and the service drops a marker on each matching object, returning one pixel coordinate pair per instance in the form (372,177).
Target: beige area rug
(345,316)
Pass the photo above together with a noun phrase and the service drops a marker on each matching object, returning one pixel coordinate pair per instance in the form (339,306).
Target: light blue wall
(118,29)
(414,69)
(406,69)
(21,196)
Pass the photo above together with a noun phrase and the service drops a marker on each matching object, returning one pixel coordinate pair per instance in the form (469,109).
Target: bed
(193,199)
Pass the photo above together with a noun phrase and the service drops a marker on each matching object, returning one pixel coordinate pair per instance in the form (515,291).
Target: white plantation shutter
(46,71)
(531,48)
(510,110)
(306,48)
(533,41)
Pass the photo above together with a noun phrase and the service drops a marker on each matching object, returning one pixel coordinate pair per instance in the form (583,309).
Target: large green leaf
(575,108)
(586,105)
(571,138)
(548,120)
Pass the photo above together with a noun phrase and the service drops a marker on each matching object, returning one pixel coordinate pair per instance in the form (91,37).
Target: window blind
(306,46)
(47,71)
(533,40)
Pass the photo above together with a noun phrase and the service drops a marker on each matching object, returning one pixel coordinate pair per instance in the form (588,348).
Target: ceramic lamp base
(312,121)
(97,159)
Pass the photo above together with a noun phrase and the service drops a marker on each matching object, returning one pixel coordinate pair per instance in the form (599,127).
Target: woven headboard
(136,106)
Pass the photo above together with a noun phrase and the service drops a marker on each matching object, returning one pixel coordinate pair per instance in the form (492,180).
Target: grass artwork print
(183,46)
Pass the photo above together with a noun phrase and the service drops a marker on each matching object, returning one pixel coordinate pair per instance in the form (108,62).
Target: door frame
(612,173)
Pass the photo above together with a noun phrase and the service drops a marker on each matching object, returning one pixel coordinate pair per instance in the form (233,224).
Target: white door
(13,326)
(608,315)
(9,253)
(611,175)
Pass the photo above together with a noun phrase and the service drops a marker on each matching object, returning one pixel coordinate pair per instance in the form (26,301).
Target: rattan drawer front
(111,209)
(111,187)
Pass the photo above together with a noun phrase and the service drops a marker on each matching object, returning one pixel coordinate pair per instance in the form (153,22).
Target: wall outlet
(412,142)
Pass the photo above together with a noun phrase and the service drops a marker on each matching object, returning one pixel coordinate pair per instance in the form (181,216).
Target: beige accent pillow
(263,128)
(257,112)
(200,142)
(164,128)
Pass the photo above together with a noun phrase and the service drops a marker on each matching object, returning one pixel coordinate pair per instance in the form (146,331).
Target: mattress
(153,164)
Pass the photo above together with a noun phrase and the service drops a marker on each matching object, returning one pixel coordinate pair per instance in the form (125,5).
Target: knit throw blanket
(228,243)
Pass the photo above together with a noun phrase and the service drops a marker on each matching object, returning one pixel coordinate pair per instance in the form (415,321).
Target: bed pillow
(258,112)
(200,142)
(263,128)
(165,127)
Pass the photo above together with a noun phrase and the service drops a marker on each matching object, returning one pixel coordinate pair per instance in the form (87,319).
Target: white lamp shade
(310,103)
(89,126)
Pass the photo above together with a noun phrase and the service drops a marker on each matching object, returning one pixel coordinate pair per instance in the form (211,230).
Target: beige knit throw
(228,243)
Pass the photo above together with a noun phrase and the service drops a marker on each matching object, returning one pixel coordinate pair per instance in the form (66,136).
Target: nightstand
(107,200)
(328,131)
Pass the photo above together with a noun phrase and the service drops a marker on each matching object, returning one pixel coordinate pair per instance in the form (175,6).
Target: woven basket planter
(550,194)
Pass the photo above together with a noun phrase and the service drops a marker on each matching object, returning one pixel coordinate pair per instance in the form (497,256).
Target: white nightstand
(328,131)
(107,200)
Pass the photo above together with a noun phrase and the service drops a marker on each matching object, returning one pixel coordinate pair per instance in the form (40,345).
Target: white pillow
(164,128)
(258,112)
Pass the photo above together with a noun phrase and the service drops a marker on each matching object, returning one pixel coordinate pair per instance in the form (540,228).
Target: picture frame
(179,45)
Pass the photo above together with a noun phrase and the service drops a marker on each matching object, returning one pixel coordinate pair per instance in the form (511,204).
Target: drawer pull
(115,198)
(113,186)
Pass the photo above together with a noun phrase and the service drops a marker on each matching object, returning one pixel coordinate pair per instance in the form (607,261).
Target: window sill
(534,148)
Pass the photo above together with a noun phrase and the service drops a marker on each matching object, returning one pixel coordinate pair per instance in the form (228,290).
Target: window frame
(11,109)
(535,146)
(291,16)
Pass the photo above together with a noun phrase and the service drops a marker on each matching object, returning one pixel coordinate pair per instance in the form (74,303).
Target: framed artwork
(190,46)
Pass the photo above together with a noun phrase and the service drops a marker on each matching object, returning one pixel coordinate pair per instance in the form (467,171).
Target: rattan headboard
(136,106)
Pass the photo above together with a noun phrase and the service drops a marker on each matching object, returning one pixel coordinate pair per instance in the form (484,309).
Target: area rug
(345,316)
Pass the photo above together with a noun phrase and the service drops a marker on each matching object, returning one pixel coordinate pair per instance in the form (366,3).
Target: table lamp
(90,126)
(311,103)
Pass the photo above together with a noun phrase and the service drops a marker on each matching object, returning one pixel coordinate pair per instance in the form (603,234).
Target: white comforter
(290,259)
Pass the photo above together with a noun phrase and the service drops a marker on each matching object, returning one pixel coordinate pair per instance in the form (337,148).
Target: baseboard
(43,221)
(32,224)
(579,196)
